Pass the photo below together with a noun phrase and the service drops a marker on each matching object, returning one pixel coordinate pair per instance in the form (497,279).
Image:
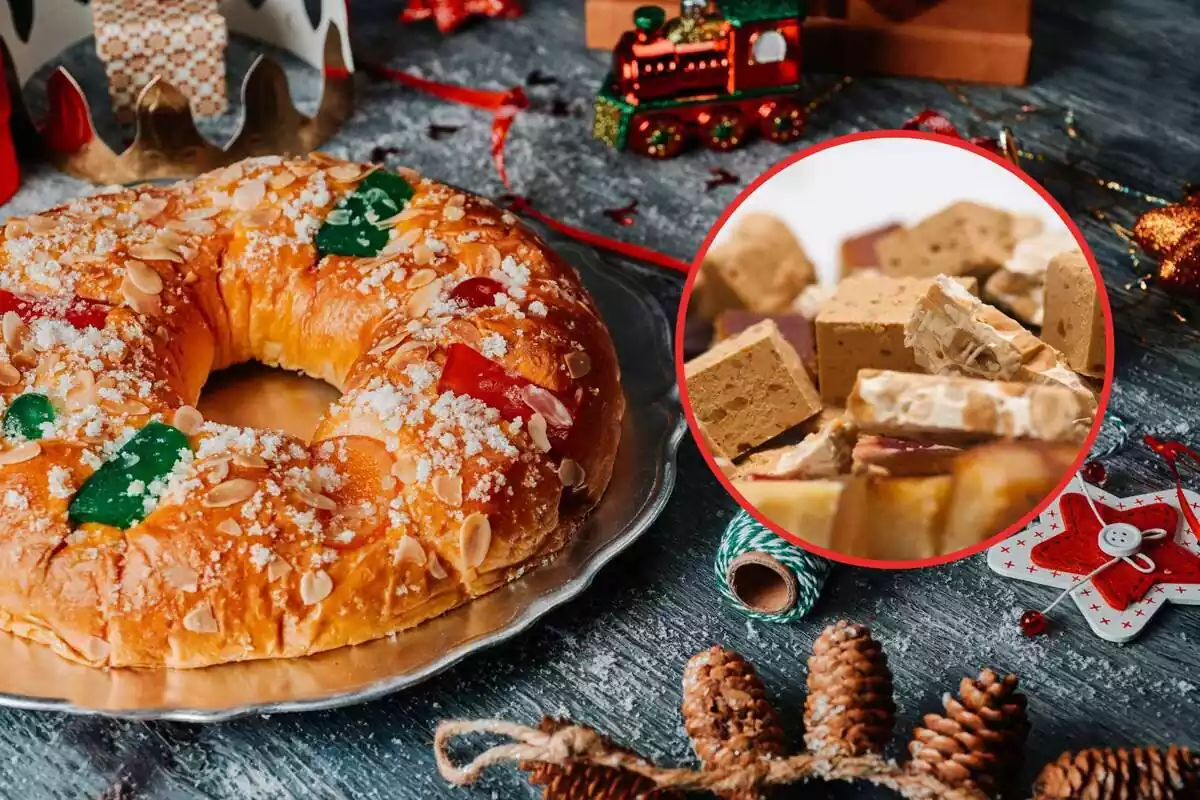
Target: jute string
(576,744)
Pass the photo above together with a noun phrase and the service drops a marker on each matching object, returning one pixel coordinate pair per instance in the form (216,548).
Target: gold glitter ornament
(1172,235)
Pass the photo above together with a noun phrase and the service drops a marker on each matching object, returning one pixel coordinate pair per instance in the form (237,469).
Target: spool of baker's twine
(765,576)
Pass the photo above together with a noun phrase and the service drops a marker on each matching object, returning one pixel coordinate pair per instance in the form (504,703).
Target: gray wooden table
(1127,71)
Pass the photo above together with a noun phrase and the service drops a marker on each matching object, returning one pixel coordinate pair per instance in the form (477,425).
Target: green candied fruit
(352,229)
(27,414)
(116,493)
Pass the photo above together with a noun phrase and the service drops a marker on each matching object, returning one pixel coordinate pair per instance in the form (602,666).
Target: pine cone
(1143,773)
(589,782)
(979,740)
(726,713)
(849,710)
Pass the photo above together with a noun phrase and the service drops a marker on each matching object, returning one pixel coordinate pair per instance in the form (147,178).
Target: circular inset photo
(894,348)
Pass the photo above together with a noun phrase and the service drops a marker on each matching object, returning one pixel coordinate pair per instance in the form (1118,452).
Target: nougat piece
(995,485)
(810,301)
(819,512)
(903,520)
(862,326)
(858,251)
(825,453)
(748,389)
(887,455)
(760,267)
(796,328)
(952,332)
(911,405)
(1019,286)
(1074,321)
(965,239)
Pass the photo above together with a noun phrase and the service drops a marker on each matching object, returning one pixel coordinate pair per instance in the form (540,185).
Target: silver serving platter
(32,677)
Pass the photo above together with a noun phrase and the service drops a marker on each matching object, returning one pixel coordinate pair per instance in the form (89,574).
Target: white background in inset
(856,186)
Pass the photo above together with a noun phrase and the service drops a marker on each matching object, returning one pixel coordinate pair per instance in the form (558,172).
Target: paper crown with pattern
(166,143)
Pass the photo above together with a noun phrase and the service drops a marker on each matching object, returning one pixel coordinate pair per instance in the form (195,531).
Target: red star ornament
(1063,546)
(449,14)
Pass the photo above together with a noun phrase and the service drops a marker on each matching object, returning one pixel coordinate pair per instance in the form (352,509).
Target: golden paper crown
(167,143)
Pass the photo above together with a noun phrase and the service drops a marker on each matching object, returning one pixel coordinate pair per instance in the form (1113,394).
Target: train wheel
(657,135)
(781,120)
(723,128)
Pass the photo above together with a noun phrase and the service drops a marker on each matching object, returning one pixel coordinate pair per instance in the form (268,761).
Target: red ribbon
(505,106)
(1171,453)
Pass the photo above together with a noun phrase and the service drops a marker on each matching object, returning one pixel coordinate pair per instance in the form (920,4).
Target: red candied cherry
(1033,623)
(477,292)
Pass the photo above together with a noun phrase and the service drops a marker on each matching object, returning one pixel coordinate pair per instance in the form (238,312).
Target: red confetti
(1094,473)
(626,215)
(439,132)
(1033,623)
(720,177)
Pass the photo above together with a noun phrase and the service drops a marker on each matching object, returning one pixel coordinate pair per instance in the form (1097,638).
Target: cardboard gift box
(984,41)
(183,41)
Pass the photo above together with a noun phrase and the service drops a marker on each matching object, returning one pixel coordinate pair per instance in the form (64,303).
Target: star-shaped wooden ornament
(449,14)
(1069,542)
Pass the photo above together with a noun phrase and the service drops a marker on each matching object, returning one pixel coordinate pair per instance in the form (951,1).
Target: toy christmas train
(721,72)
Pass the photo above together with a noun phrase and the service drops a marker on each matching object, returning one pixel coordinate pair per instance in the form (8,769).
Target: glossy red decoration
(468,372)
(1033,623)
(77,311)
(1094,473)
(1077,550)
(1172,452)
(10,172)
(450,14)
(68,124)
(477,292)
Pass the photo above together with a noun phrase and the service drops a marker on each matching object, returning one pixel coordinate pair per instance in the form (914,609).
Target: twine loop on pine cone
(579,744)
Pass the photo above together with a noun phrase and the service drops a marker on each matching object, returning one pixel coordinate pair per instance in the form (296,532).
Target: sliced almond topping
(9,375)
(546,404)
(456,201)
(172,240)
(317,500)
(261,217)
(421,277)
(409,174)
(181,577)
(388,343)
(230,492)
(475,538)
(200,619)
(408,549)
(282,180)
(448,489)
(277,568)
(149,207)
(132,408)
(323,159)
(406,240)
(143,277)
(453,213)
(570,473)
(493,258)
(422,254)
(219,200)
(315,586)
(41,225)
(578,363)
(14,330)
(229,527)
(344,173)
(229,174)
(249,194)
(199,226)
(218,470)
(422,299)
(537,433)
(466,331)
(139,301)
(407,352)
(15,228)
(436,570)
(249,460)
(204,212)
(155,251)
(188,420)
(20,453)
(82,393)
(405,468)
